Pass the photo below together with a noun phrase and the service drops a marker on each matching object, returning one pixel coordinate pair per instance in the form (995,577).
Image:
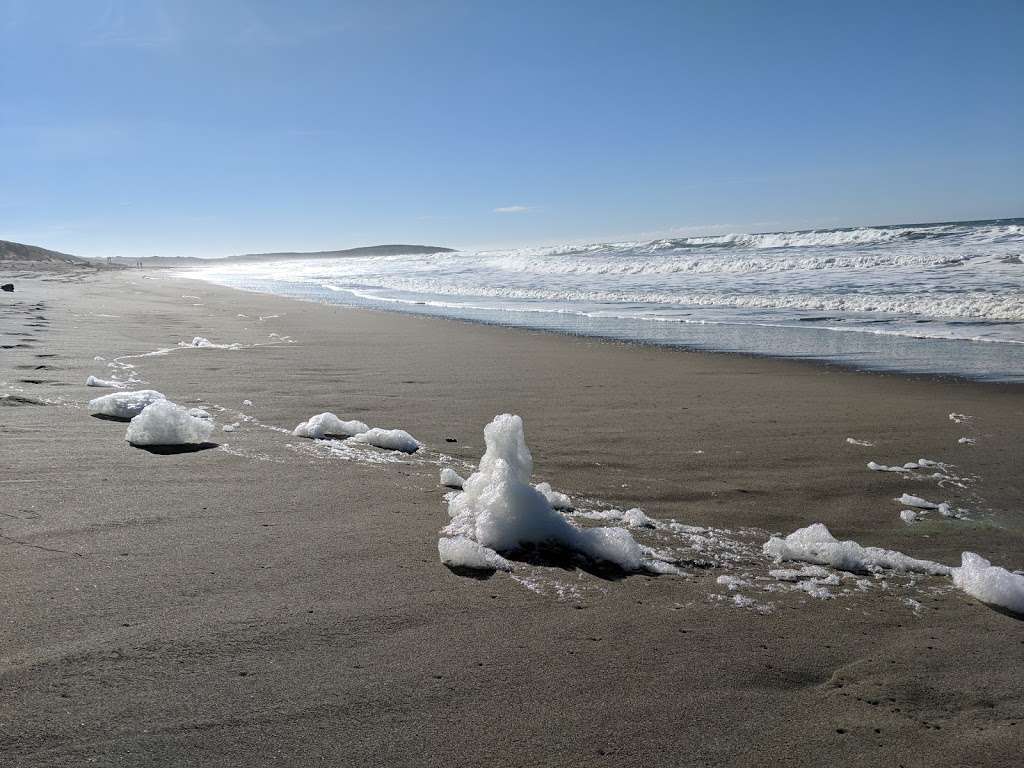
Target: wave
(967,273)
(975,305)
(626,264)
(861,236)
(621,314)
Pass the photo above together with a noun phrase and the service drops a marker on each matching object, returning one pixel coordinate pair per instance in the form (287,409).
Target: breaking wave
(959,281)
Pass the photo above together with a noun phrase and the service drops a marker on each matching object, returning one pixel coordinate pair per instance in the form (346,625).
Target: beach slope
(277,600)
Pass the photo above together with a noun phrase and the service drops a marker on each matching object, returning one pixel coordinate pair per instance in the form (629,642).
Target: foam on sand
(916,501)
(906,467)
(794,575)
(816,544)
(923,506)
(124,405)
(865,443)
(94,381)
(812,579)
(460,552)
(636,518)
(500,510)
(989,583)
(326,425)
(166,423)
(875,467)
(732,582)
(555,499)
(633,518)
(201,342)
(389,439)
(451,478)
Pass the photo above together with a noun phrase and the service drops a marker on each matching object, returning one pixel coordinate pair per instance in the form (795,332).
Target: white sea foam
(203,342)
(389,439)
(636,518)
(991,584)
(555,499)
(452,479)
(166,423)
(93,381)
(916,501)
(875,467)
(732,582)
(460,552)
(816,544)
(865,443)
(328,425)
(500,510)
(798,574)
(124,405)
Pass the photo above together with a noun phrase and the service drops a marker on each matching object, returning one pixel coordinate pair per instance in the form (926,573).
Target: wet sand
(265,602)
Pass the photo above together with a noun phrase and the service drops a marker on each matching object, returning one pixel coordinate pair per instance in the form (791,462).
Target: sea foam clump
(501,511)
(876,467)
(166,423)
(976,576)
(460,552)
(989,583)
(635,518)
(94,381)
(124,405)
(327,424)
(916,501)
(816,544)
(390,439)
(451,478)
(555,499)
(205,343)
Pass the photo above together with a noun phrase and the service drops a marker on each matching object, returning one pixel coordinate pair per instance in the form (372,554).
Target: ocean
(944,298)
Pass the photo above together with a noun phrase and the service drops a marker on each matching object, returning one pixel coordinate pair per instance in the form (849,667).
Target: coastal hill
(20,256)
(371,250)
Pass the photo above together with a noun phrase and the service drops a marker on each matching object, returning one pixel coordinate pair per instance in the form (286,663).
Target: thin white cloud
(512,209)
(134,25)
(257,31)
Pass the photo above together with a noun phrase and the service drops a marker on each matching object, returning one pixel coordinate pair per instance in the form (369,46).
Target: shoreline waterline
(938,299)
(978,360)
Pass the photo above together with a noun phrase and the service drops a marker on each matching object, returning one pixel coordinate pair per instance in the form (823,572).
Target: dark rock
(9,287)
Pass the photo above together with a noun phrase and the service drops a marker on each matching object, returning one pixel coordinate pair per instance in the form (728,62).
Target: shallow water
(930,298)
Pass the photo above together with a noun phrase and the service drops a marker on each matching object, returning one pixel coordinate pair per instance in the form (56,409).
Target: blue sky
(215,127)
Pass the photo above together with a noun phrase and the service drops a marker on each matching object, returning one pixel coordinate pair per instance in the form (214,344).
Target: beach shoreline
(931,299)
(278,600)
(684,347)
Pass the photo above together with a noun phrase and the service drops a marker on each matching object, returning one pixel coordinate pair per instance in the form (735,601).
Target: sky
(213,127)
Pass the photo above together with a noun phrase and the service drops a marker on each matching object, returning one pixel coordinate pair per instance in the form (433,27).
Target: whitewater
(928,298)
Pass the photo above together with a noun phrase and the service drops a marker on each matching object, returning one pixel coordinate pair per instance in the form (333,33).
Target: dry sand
(266,603)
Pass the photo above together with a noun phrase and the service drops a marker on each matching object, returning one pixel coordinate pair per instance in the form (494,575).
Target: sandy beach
(280,601)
